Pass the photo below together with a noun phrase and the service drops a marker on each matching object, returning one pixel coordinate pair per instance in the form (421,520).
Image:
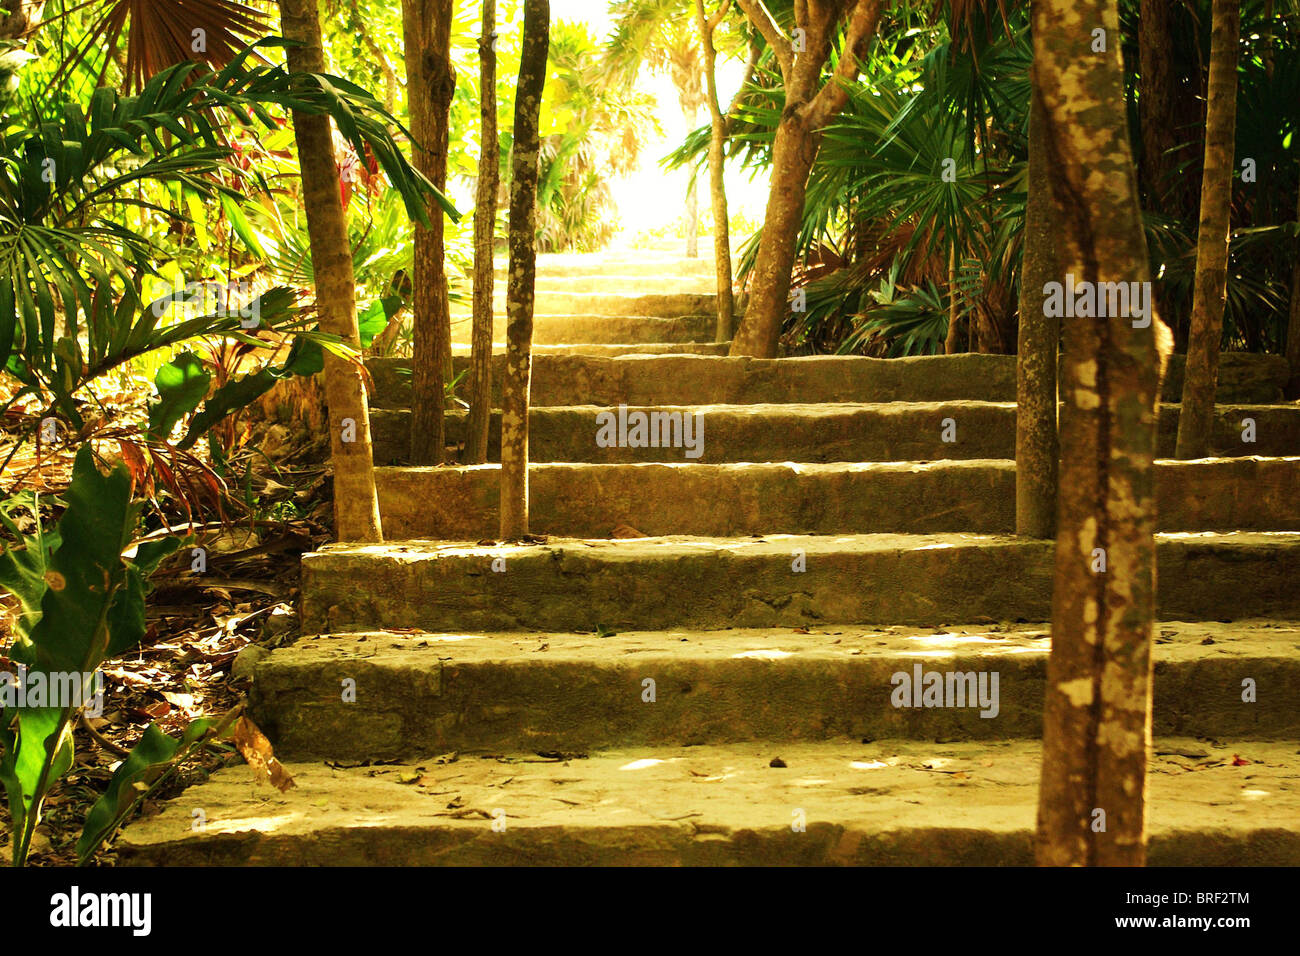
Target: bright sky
(651,197)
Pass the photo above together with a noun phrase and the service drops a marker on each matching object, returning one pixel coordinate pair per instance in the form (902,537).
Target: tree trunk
(717,184)
(1155,100)
(485,216)
(950,345)
(19,18)
(1293,320)
(1210,290)
(1097,707)
(430,84)
(811,101)
(523,270)
(356,505)
(693,218)
(1037,449)
(793,153)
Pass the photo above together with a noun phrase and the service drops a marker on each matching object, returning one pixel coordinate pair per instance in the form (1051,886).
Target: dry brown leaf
(625,531)
(257,750)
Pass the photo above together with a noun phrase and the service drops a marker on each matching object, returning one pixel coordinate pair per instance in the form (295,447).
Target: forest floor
(189,663)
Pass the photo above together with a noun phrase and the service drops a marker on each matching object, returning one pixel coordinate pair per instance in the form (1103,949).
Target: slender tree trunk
(356,505)
(1196,419)
(793,153)
(485,216)
(430,84)
(523,270)
(693,218)
(1097,707)
(810,103)
(1293,320)
(1037,450)
(717,169)
(950,345)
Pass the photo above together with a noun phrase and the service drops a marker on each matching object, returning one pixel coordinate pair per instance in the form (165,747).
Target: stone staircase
(721,689)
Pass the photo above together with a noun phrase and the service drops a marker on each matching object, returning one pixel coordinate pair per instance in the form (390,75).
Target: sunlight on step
(641,764)
(1255,794)
(868,764)
(764,655)
(258,824)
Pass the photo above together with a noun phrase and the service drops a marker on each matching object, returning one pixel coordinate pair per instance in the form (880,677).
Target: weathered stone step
(427,694)
(896,431)
(569,584)
(626,263)
(720,380)
(612,282)
(591,500)
(461,352)
(559,327)
(871,804)
(660,304)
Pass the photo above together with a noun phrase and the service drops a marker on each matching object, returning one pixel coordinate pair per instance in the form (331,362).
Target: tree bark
(1155,99)
(810,104)
(430,84)
(1097,707)
(1293,320)
(356,504)
(717,168)
(523,270)
(1210,289)
(19,18)
(1037,449)
(692,216)
(950,345)
(485,216)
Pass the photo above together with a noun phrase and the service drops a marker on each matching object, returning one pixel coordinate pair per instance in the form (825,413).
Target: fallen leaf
(257,750)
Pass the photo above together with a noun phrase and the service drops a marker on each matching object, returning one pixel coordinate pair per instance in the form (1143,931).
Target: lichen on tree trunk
(523,270)
(356,504)
(430,85)
(1097,707)
(1037,448)
(485,215)
(1210,288)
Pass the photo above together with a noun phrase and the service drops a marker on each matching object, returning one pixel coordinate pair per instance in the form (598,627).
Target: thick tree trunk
(1210,290)
(717,169)
(811,101)
(485,216)
(356,505)
(793,153)
(523,270)
(1097,707)
(1293,320)
(1155,99)
(1037,450)
(19,18)
(430,84)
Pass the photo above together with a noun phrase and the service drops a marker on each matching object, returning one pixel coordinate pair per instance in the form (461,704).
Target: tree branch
(715,21)
(761,18)
(830,99)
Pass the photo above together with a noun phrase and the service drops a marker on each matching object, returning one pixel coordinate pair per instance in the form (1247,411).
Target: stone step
(897,431)
(591,500)
(659,304)
(721,380)
(617,283)
(588,328)
(872,804)
(461,353)
(567,584)
(626,263)
(421,694)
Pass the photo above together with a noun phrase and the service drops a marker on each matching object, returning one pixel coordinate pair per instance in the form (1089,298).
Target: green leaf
(182,384)
(149,759)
